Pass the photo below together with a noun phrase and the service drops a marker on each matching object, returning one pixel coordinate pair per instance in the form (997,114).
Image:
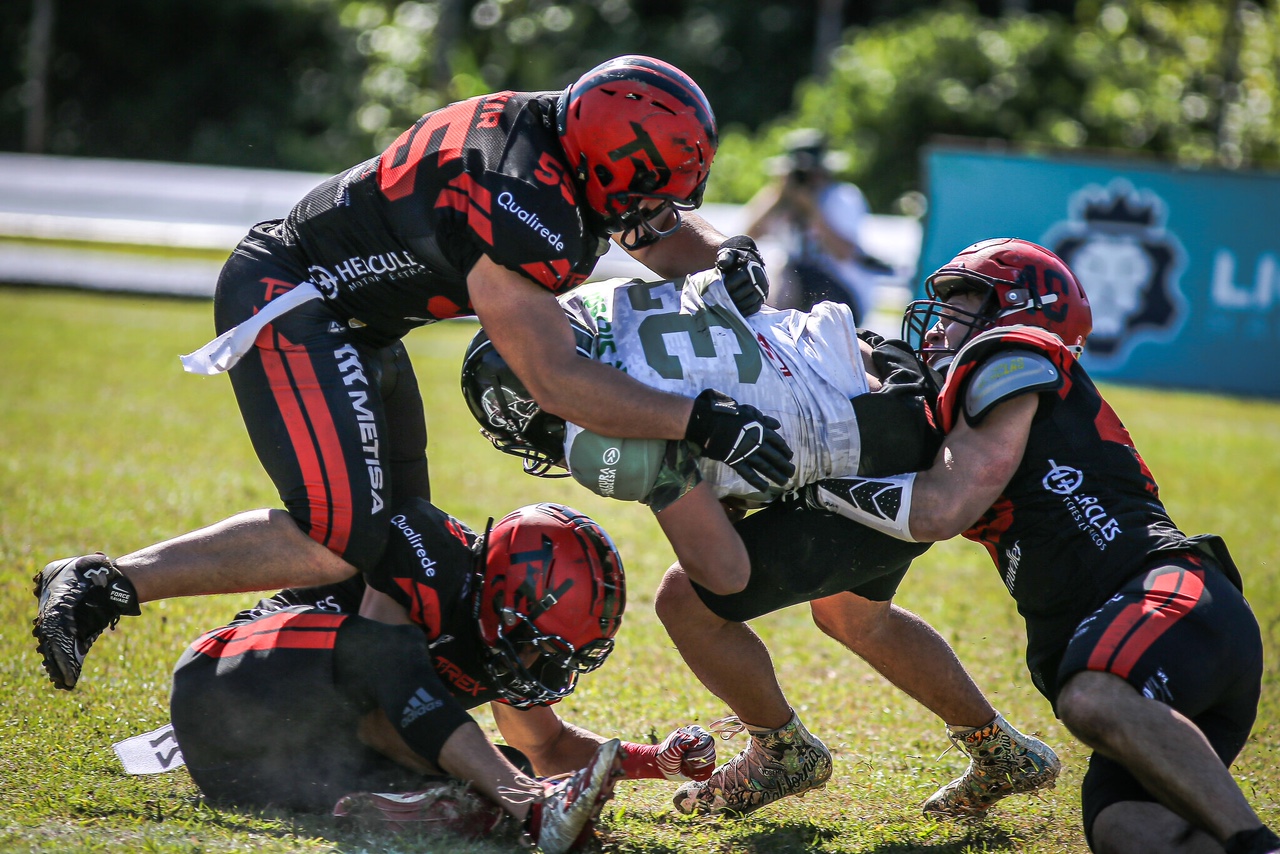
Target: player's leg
(789,565)
(908,652)
(407,472)
(782,758)
(286,409)
(1163,682)
(1168,754)
(1131,826)
(726,656)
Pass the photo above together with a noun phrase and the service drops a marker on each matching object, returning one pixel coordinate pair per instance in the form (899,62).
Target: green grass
(106,444)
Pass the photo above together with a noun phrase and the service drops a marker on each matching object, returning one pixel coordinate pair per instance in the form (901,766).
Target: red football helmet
(1023,284)
(637,128)
(550,601)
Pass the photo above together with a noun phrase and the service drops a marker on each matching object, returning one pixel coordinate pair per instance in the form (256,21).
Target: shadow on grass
(351,837)
(800,837)
(345,836)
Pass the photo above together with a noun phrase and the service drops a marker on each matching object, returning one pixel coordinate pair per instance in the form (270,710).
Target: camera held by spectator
(819,221)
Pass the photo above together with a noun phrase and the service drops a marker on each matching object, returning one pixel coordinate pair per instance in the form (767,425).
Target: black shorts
(337,422)
(799,554)
(262,720)
(1183,634)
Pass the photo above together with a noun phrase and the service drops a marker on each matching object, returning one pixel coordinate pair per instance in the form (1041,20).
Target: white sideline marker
(152,752)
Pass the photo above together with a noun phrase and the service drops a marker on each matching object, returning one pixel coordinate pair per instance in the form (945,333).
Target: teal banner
(1179,265)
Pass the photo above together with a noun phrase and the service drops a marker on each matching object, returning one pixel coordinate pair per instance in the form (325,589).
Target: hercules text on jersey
(802,369)
(390,242)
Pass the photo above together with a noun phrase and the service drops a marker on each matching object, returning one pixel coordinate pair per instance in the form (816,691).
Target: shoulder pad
(625,469)
(1007,375)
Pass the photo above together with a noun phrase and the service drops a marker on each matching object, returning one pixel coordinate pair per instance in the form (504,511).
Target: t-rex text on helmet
(1021,282)
(635,129)
(505,409)
(550,601)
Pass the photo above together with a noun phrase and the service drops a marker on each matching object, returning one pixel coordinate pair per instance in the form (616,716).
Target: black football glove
(742,268)
(740,436)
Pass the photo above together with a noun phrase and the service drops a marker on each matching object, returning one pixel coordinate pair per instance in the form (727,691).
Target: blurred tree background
(322,84)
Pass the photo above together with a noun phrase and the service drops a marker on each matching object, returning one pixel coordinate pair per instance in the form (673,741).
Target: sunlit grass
(106,444)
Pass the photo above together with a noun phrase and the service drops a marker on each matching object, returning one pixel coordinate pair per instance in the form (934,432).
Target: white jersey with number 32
(684,336)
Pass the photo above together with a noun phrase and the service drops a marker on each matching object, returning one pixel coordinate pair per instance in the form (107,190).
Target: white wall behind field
(67,221)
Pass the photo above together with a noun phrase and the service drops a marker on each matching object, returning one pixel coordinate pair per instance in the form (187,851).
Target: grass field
(106,445)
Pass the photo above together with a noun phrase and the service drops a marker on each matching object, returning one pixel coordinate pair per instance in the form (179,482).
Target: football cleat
(563,819)
(79,598)
(775,764)
(1002,762)
(449,807)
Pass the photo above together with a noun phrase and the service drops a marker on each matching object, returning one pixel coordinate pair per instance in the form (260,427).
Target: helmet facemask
(520,428)
(549,600)
(522,679)
(508,415)
(925,320)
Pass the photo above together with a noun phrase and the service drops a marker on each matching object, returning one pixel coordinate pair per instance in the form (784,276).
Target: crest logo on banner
(1115,241)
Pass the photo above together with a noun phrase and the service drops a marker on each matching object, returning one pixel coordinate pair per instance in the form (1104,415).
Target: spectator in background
(819,222)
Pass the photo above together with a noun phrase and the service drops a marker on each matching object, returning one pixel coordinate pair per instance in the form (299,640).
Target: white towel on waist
(223,352)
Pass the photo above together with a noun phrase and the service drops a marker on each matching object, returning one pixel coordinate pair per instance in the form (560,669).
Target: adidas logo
(419,704)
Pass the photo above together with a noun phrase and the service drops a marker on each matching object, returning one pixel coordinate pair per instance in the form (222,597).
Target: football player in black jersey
(305,708)
(1138,634)
(486,207)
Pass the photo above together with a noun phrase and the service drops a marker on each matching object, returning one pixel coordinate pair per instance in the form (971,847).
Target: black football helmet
(508,415)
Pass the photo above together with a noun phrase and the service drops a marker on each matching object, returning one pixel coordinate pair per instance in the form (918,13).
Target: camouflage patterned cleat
(80,597)
(775,764)
(1002,762)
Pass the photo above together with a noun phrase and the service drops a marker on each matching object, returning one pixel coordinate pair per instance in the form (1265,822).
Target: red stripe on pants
(282,631)
(328,490)
(1138,626)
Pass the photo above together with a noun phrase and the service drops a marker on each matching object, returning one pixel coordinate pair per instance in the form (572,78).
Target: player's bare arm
(552,745)
(381,607)
(530,330)
(689,249)
(972,468)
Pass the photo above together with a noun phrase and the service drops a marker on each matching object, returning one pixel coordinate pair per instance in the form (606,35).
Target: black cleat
(80,597)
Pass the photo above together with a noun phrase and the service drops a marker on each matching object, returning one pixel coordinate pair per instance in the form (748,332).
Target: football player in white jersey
(846,403)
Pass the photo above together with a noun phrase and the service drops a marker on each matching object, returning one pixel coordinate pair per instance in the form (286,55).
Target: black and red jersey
(1081,514)
(429,567)
(390,242)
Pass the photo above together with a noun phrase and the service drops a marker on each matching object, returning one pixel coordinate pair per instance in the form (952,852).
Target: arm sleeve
(389,667)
